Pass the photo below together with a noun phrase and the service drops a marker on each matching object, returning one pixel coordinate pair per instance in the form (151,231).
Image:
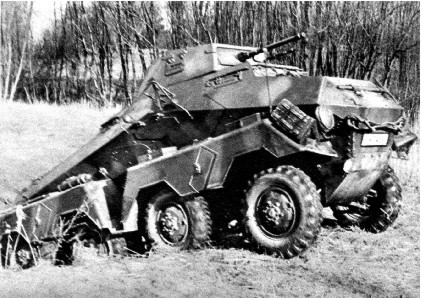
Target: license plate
(374,139)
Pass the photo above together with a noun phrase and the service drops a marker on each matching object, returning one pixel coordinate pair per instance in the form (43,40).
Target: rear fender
(143,197)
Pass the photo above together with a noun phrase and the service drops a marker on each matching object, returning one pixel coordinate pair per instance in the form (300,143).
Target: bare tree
(100,51)
(14,44)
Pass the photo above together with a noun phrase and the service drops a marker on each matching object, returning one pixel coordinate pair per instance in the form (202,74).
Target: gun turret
(243,56)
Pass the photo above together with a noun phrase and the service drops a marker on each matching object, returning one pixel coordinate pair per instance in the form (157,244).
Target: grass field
(34,138)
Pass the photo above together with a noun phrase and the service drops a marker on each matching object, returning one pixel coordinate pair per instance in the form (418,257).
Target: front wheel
(173,223)
(377,210)
(283,211)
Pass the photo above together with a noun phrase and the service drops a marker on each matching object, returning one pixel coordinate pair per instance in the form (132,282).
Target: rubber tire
(383,214)
(10,258)
(102,249)
(71,248)
(307,204)
(198,216)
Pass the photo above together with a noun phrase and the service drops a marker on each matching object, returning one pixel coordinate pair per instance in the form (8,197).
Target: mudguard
(403,143)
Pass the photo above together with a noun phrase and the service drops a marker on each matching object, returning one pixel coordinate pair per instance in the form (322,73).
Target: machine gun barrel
(287,40)
(243,56)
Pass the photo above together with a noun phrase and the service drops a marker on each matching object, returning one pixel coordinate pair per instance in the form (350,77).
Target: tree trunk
(22,58)
(122,58)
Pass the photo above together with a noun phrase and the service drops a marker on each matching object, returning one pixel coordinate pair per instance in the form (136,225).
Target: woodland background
(98,52)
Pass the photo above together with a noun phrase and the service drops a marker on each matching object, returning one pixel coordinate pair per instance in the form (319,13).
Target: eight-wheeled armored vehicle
(219,133)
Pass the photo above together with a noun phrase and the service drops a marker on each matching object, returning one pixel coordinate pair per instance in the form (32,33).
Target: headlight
(325,117)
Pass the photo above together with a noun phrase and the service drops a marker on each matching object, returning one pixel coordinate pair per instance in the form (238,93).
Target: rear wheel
(377,210)
(16,252)
(283,212)
(89,246)
(176,223)
(77,236)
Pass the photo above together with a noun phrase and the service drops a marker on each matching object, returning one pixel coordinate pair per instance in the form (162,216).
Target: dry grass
(341,263)
(35,138)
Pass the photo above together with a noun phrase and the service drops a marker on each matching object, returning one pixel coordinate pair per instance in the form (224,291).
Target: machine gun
(243,56)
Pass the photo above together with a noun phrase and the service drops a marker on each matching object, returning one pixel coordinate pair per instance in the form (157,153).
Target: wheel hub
(173,224)
(276,212)
(23,257)
(169,223)
(273,212)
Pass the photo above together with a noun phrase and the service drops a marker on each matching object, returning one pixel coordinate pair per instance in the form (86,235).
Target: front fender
(281,145)
(403,142)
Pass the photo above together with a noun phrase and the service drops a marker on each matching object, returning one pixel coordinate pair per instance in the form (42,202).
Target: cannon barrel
(243,56)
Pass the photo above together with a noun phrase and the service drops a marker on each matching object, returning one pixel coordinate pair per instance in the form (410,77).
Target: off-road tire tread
(199,210)
(12,255)
(199,222)
(378,221)
(307,230)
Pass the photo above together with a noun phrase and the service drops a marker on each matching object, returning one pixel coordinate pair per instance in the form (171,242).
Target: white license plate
(374,139)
